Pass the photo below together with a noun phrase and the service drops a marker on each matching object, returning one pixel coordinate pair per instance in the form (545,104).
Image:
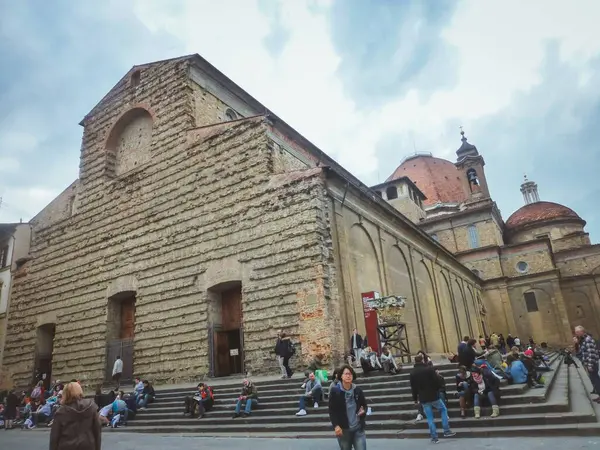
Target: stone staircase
(562,407)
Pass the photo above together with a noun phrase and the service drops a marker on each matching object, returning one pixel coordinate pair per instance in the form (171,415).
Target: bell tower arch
(472,175)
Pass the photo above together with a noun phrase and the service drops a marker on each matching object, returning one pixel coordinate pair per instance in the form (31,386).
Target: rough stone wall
(204,211)
(537,255)
(447,239)
(208,109)
(408,208)
(546,324)
(453,232)
(578,262)
(554,231)
(487,231)
(582,299)
(487,262)
(569,242)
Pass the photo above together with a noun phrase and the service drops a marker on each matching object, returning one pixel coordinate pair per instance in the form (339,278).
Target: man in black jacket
(347,411)
(425,386)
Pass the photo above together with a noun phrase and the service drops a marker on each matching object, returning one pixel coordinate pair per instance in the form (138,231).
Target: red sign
(371,320)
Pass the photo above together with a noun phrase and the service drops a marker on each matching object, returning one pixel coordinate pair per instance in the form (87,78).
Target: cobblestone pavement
(38,440)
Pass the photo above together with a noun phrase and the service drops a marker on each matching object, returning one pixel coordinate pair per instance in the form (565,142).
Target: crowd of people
(481,366)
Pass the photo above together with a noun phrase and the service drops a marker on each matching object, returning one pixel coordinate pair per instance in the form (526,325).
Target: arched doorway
(44,347)
(226,332)
(120,333)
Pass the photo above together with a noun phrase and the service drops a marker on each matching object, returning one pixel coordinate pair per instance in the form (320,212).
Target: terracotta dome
(437,178)
(541,212)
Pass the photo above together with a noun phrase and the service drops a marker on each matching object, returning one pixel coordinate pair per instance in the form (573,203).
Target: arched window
(230,114)
(391,192)
(473,236)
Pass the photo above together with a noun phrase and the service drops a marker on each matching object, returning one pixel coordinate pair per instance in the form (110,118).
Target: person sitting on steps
(201,401)
(147,395)
(388,361)
(248,397)
(485,386)
(516,370)
(464,390)
(314,393)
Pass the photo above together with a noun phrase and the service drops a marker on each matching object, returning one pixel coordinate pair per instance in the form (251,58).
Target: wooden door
(127,319)
(231,309)
(221,350)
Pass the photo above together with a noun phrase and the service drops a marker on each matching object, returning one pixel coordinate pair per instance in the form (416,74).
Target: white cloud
(500,46)
(24,202)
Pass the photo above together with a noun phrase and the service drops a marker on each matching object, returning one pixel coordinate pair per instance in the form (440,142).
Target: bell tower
(470,166)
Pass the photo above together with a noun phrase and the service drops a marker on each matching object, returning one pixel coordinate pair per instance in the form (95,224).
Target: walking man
(118,371)
(426,386)
(590,357)
(347,411)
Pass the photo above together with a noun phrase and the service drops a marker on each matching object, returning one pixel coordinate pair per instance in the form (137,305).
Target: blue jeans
(428,409)
(316,397)
(490,395)
(356,439)
(143,400)
(594,378)
(249,403)
(465,388)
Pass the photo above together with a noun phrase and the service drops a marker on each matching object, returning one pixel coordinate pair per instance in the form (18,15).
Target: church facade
(200,224)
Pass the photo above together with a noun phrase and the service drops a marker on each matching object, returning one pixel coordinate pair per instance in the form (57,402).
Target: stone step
(392,405)
(279,384)
(387,411)
(372,394)
(529,397)
(305,425)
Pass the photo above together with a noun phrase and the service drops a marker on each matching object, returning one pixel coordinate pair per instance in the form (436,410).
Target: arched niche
(428,308)
(128,144)
(399,283)
(448,313)
(461,310)
(365,270)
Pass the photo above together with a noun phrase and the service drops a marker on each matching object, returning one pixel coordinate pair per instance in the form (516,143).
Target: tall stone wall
(206,209)
(378,251)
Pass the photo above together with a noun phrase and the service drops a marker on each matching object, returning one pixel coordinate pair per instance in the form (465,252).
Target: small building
(14,250)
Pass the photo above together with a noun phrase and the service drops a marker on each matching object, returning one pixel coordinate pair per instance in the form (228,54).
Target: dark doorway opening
(120,333)
(227,349)
(44,348)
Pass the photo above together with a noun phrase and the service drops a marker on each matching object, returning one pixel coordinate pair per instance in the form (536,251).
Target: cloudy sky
(368,81)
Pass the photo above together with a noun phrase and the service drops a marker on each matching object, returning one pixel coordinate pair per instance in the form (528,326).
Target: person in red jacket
(202,401)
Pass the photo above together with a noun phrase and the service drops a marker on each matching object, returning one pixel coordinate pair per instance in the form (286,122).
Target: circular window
(522,267)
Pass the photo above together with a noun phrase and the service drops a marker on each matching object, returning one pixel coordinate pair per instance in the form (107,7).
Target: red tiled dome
(541,212)
(437,178)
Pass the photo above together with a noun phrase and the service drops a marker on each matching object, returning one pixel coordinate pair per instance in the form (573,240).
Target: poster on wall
(371,320)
